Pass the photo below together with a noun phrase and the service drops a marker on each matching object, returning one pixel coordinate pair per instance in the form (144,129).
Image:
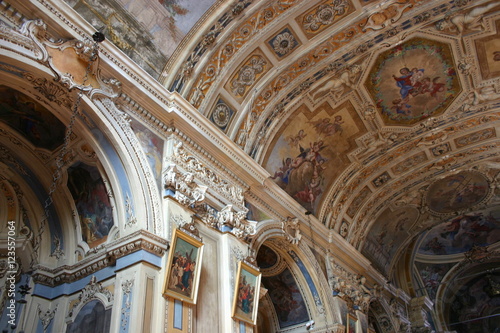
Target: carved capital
(187,191)
(239,225)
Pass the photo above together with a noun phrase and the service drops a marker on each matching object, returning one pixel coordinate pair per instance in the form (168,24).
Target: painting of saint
(408,91)
(92,203)
(184,267)
(246,293)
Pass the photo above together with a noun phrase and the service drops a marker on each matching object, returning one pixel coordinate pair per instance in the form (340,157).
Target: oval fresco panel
(457,192)
(413,81)
(461,233)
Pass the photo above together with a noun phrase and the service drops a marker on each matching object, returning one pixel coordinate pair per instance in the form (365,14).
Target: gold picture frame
(246,293)
(183,267)
(351,323)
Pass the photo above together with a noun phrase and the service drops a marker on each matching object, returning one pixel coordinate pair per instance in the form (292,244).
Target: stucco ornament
(248,75)
(284,43)
(91,290)
(237,221)
(187,191)
(291,228)
(46,316)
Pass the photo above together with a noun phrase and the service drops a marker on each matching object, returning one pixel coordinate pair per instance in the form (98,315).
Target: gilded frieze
(409,163)
(283,43)
(248,74)
(323,16)
(488,54)
(475,137)
(236,41)
(358,201)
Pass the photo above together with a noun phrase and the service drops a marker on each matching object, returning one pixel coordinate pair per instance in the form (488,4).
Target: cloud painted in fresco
(195,10)
(461,233)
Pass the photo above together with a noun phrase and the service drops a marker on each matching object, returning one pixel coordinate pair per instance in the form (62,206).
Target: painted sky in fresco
(153,28)
(195,10)
(461,233)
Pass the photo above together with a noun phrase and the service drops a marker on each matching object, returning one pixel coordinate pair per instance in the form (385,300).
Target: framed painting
(246,294)
(351,323)
(183,267)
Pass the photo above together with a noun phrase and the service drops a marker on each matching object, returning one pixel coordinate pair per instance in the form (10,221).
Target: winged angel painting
(306,153)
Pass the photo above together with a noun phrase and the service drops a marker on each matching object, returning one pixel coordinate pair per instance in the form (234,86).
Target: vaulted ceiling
(379,117)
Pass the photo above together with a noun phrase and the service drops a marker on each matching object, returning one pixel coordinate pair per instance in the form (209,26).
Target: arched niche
(93,317)
(293,297)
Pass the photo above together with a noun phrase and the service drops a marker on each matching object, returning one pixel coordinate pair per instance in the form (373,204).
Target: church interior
(250,166)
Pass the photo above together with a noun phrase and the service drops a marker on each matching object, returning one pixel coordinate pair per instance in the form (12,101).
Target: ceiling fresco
(383,124)
(148,31)
(378,117)
(311,151)
(460,234)
(413,81)
(28,117)
(458,191)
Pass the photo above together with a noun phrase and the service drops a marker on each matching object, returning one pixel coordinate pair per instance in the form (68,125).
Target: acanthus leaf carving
(187,191)
(90,291)
(206,175)
(46,316)
(240,226)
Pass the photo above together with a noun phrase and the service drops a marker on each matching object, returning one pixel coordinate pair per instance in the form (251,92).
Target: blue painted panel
(178,314)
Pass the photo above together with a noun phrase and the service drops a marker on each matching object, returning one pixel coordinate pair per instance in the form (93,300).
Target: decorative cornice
(106,257)
(192,164)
